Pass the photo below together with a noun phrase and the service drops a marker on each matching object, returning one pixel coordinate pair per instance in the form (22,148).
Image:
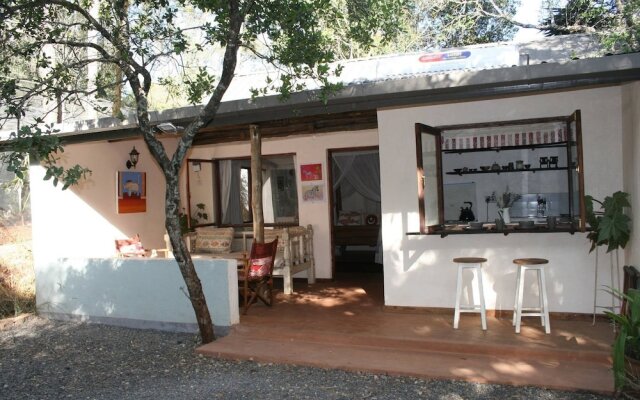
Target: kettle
(466,214)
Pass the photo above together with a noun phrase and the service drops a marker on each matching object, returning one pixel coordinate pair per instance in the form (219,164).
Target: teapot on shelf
(466,214)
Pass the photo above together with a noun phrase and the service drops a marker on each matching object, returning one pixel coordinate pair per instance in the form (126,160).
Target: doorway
(354,178)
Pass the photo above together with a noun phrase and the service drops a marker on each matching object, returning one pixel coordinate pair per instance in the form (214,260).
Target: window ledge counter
(488,228)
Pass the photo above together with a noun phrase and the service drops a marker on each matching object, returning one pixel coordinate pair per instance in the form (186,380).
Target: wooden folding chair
(256,278)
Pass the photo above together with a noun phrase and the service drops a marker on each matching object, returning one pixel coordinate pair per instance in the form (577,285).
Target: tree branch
(228,71)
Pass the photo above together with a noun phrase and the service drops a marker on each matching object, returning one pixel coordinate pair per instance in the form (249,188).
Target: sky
(529,12)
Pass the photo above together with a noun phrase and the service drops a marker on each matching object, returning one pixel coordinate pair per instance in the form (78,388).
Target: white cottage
(472,95)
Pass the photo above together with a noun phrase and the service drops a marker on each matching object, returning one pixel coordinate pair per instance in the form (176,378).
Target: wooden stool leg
(456,315)
(545,303)
(520,298)
(483,310)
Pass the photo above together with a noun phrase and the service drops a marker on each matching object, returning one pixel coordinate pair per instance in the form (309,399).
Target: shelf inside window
(503,171)
(503,148)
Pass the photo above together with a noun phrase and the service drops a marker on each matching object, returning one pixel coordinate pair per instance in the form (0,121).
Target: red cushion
(259,267)
(130,247)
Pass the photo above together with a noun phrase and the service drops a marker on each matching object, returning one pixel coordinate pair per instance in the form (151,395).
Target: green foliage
(198,217)
(596,14)
(199,86)
(627,343)
(31,142)
(617,23)
(446,23)
(154,40)
(610,225)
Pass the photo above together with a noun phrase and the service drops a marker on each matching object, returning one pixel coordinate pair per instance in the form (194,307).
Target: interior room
(355,177)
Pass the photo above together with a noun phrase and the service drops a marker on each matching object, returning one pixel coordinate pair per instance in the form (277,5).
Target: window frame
(438,132)
(217,188)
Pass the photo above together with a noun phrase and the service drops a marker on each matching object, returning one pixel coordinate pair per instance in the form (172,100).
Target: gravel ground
(42,359)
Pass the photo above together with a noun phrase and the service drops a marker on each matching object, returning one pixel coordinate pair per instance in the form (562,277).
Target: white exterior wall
(82,221)
(631,146)
(308,149)
(418,270)
(135,292)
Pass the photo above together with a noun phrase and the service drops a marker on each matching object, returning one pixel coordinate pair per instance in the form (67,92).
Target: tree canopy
(617,22)
(146,42)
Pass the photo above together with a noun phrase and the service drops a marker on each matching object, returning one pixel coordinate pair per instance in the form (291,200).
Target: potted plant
(504,202)
(199,216)
(610,226)
(626,348)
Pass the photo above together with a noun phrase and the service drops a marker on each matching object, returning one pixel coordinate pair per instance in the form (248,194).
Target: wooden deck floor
(342,325)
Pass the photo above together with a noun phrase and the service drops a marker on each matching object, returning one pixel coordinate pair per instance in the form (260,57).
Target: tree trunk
(256,183)
(116,107)
(185,263)
(171,167)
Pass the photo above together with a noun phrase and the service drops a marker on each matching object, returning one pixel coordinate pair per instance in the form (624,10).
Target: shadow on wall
(138,293)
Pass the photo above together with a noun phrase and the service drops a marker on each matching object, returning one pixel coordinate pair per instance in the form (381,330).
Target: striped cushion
(214,240)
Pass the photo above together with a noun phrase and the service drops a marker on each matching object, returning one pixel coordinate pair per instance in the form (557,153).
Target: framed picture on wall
(312,192)
(311,172)
(131,192)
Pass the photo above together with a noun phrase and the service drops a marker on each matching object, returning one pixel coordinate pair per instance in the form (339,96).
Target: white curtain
(362,173)
(267,196)
(225,188)
(230,191)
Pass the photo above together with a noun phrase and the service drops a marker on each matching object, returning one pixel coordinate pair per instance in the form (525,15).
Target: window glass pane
(430,173)
(201,201)
(279,190)
(573,169)
(245,190)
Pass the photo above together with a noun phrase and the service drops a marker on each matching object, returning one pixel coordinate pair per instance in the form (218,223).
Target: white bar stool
(537,265)
(475,264)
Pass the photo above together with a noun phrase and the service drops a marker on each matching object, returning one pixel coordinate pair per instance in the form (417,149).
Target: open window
(223,186)
(464,170)
(429,174)
(200,188)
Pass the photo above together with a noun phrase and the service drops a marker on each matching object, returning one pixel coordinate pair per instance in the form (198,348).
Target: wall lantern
(133,158)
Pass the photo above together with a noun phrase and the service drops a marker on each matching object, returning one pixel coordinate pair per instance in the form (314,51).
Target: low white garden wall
(135,292)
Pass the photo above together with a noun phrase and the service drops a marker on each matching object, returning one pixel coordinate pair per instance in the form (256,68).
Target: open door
(354,177)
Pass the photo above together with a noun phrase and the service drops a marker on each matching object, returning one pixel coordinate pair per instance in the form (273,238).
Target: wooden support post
(256,183)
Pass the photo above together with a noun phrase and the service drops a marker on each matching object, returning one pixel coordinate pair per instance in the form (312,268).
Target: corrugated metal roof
(469,58)
(405,79)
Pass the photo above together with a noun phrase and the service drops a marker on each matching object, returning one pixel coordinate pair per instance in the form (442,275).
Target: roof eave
(453,86)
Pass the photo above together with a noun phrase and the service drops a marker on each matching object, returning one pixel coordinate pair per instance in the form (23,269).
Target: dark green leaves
(30,142)
(200,85)
(627,342)
(611,226)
